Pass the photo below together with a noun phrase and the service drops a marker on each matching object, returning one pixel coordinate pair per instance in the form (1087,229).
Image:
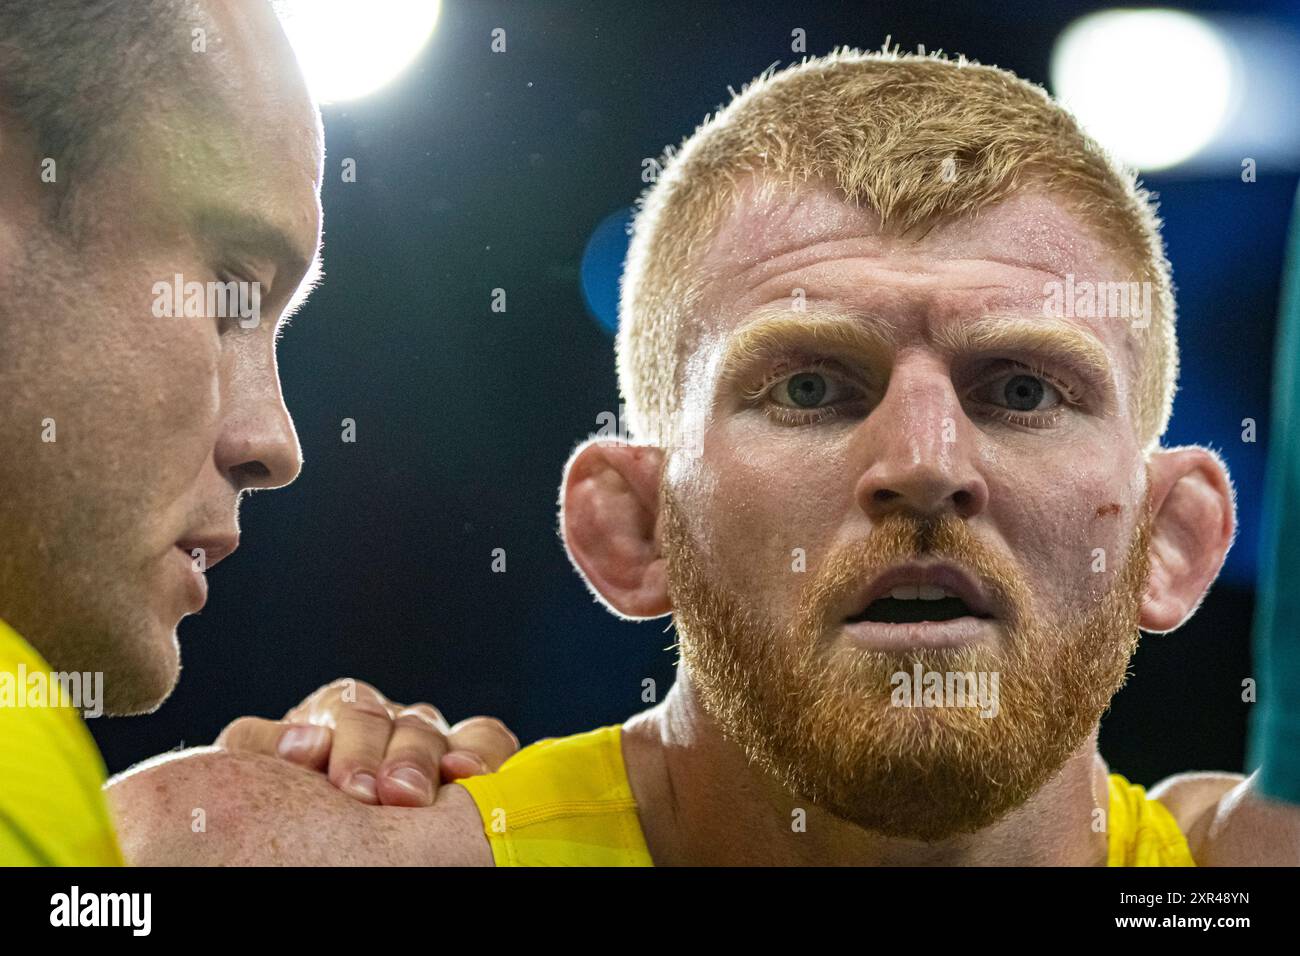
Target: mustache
(903,537)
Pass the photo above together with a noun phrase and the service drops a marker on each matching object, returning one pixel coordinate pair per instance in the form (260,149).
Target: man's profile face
(829,457)
(158,422)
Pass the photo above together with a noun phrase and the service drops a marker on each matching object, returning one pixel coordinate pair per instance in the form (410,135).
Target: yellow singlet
(567,802)
(52,808)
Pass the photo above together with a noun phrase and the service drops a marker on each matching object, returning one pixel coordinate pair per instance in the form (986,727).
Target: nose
(919,449)
(258,446)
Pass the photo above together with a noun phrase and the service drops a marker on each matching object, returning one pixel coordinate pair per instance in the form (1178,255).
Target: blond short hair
(879,126)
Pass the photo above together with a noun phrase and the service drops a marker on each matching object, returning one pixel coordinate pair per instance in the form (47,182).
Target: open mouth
(940,596)
(914,610)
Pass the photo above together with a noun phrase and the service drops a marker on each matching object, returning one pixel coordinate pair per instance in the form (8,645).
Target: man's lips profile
(198,554)
(214,547)
(915,604)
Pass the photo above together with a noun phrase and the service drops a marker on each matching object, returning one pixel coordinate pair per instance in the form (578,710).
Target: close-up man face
(894,438)
(870,429)
(135,433)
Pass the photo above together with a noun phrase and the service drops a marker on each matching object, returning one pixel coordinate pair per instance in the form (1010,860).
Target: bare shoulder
(207,807)
(1189,796)
(1229,823)
(1194,799)
(1194,786)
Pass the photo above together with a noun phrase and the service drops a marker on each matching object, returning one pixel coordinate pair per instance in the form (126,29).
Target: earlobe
(609,507)
(1193,524)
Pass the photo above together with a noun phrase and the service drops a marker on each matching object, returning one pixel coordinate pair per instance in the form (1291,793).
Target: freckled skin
(773,487)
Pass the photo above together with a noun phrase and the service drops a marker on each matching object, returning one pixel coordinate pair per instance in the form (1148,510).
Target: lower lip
(196,585)
(959,632)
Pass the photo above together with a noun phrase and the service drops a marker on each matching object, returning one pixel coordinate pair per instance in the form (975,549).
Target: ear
(609,507)
(1194,522)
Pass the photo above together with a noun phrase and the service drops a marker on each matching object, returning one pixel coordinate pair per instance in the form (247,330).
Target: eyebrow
(1007,333)
(229,232)
(772,332)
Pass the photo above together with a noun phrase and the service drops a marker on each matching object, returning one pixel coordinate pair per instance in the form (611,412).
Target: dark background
(479,171)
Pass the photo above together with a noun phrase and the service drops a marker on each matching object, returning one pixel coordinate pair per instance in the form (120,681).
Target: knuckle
(323,700)
(348,687)
(367,711)
(416,719)
(494,726)
(369,692)
(239,729)
(429,711)
(244,723)
(419,723)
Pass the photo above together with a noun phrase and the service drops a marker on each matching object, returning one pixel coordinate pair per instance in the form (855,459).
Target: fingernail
(362,786)
(411,780)
(465,764)
(299,743)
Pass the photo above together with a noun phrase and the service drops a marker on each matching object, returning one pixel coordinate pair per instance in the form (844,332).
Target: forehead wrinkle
(778,228)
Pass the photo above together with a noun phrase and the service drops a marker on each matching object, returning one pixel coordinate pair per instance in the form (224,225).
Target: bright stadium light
(348,48)
(1152,86)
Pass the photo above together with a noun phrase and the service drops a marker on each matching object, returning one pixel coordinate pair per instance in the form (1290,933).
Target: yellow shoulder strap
(1142,831)
(562,802)
(567,802)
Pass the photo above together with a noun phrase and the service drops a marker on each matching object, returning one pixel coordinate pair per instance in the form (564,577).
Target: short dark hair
(76,71)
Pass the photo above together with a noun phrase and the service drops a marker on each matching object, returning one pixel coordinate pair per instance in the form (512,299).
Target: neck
(702,803)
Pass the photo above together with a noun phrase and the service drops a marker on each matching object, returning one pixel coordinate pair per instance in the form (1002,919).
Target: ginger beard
(818,712)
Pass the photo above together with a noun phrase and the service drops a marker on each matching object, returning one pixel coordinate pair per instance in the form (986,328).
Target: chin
(141,675)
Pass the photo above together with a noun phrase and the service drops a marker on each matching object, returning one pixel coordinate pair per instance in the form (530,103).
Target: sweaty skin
(1030,493)
(162,422)
(1042,495)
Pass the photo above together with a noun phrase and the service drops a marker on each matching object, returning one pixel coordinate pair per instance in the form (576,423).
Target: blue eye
(807,389)
(1023,392)
(810,390)
(1020,392)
